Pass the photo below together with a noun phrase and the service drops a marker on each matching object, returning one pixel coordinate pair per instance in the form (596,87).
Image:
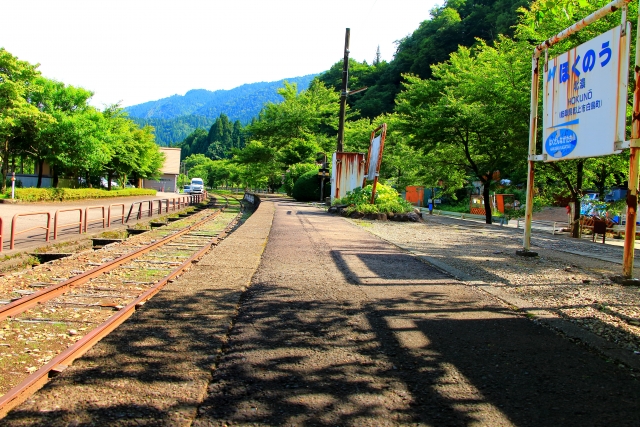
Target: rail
(109,213)
(37,379)
(1,234)
(14,221)
(55,221)
(86,217)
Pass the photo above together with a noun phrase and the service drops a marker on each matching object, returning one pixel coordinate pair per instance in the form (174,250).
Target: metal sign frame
(383,135)
(633,144)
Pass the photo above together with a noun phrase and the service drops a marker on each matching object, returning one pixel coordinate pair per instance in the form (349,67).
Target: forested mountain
(171,131)
(177,116)
(456,23)
(217,143)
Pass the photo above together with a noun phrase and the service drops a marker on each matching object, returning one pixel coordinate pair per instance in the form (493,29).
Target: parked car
(104,183)
(197,186)
(186,189)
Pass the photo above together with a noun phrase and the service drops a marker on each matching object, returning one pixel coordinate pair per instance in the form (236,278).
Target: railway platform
(303,318)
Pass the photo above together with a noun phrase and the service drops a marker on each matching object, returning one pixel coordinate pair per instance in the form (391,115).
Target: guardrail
(55,221)
(176,203)
(13,226)
(543,225)
(86,217)
(537,224)
(463,215)
(109,213)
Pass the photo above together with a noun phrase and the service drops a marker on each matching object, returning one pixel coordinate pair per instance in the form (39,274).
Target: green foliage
(307,187)
(455,23)
(474,116)
(64,194)
(292,175)
(386,200)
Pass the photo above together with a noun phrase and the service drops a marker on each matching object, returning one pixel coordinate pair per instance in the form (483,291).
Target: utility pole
(345,91)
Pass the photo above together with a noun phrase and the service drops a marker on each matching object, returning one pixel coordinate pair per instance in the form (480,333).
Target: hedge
(307,187)
(63,194)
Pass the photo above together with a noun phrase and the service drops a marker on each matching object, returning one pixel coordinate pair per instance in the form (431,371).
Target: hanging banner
(585,98)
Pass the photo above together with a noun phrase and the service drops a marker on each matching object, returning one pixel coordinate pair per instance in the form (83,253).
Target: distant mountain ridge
(175,117)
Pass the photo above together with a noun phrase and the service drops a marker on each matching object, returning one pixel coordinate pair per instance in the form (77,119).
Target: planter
(376,216)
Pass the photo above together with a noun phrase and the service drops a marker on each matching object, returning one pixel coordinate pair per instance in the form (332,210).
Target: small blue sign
(561,142)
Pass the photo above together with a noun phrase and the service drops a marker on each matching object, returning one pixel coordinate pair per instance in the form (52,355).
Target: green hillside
(176,117)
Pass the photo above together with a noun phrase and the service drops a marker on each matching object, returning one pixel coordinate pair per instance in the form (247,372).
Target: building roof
(172,160)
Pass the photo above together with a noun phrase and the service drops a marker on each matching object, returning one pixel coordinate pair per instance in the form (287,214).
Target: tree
(289,133)
(475,112)
(60,102)
(17,83)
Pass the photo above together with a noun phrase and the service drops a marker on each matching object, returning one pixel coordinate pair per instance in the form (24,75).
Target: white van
(197,186)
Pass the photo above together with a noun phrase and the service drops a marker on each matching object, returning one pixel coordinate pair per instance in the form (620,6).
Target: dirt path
(341,328)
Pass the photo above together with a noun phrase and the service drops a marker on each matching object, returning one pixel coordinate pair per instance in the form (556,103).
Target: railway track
(52,324)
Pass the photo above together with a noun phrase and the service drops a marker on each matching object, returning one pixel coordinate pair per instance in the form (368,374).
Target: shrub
(307,187)
(294,173)
(63,194)
(387,200)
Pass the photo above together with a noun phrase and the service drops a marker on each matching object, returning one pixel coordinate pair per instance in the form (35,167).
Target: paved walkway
(337,328)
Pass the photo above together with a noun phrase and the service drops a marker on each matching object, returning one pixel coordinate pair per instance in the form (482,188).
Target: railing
(109,213)
(55,221)
(86,217)
(539,225)
(543,225)
(13,226)
(176,203)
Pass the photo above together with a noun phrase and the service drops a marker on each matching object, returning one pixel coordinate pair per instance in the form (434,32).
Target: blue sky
(132,51)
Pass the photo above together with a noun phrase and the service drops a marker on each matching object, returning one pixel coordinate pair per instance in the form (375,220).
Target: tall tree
(475,111)
(18,80)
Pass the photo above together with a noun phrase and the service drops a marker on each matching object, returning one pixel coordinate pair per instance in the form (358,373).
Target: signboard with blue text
(585,98)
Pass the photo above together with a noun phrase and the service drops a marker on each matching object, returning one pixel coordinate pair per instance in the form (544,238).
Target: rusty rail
(109,213)
(55,221)
(13,226)
(86,217)
(36,380)
(19,306)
